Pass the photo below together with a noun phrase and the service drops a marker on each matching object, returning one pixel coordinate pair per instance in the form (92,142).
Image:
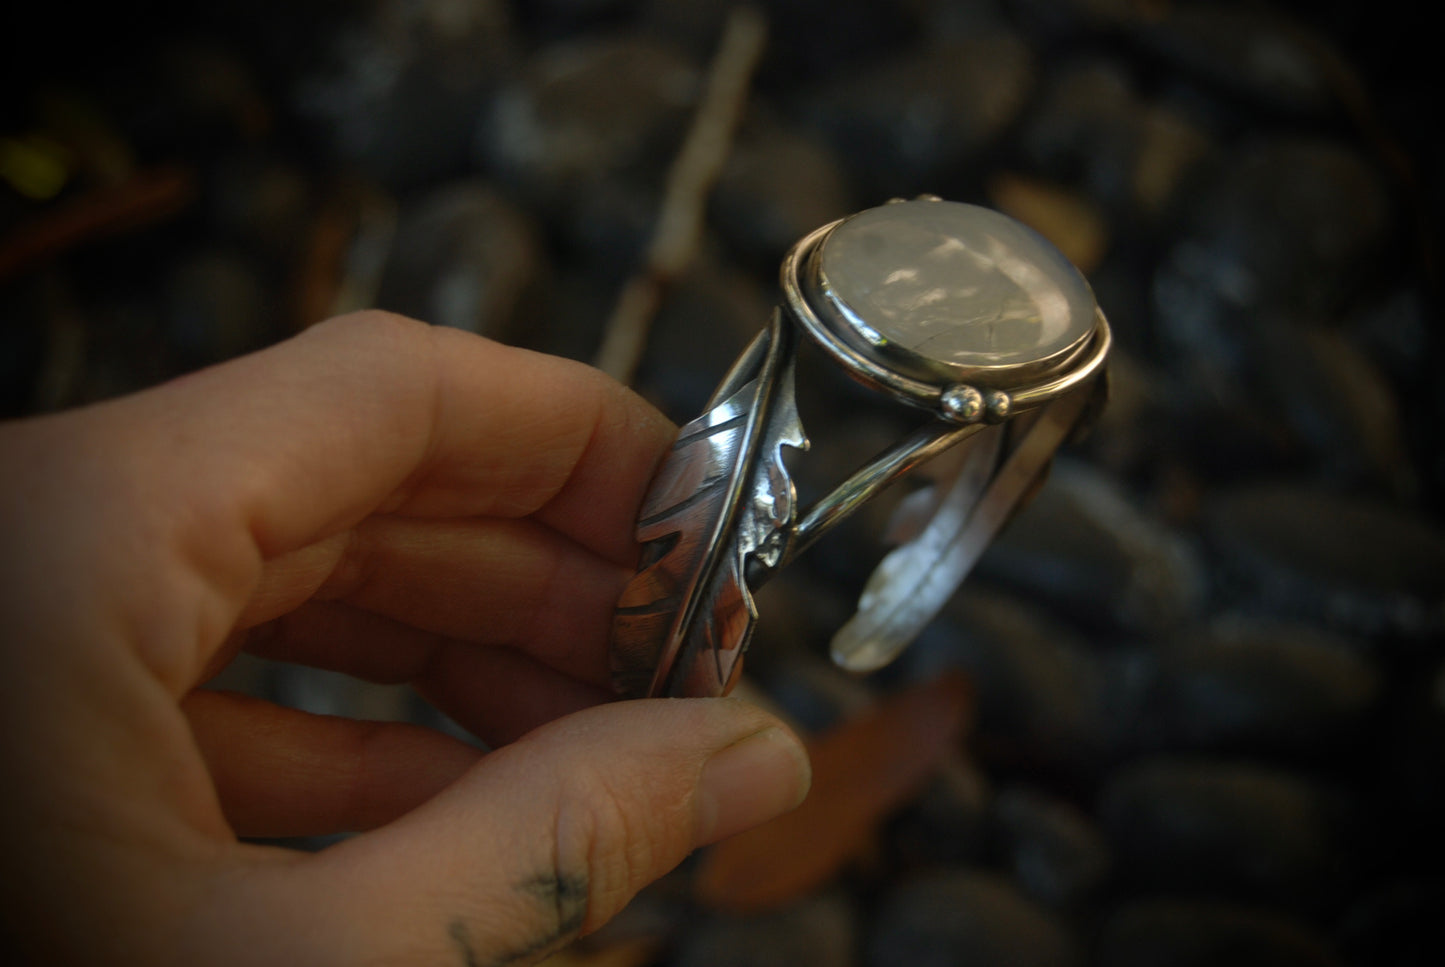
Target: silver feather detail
(913,583)
(721,497)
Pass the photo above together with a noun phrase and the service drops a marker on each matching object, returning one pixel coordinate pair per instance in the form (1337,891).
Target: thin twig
(146,197)
(342,264)
(694,171)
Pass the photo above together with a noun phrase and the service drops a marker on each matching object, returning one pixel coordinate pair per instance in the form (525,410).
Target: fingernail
(750,782)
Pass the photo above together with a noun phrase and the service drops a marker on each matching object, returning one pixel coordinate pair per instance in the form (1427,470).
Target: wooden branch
(678,233)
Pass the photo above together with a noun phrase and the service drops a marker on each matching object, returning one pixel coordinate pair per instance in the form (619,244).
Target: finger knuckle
(621,838)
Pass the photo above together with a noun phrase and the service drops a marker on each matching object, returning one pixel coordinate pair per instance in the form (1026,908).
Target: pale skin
(385,499)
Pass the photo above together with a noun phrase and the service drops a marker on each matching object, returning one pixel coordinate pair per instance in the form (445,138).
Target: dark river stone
(811,691)
(1342,408)
(1257,52)
(262,202)
(1225,830)
(1357,564)
(780,183)
(1396,923)
(707,318)
(217,308)
(1054,850)
(1087,550)
(1405,794)
(1040,689)
(401,91)
(948,822)
(1092,127)
(551,19)
(909,124)
(832,37)
(1290,225)
(588,112)
(966,917)
(1262,689)
(818,930)
(1152,933)
(466,257)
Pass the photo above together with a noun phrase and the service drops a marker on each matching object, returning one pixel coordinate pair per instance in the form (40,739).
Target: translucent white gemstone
(956,284)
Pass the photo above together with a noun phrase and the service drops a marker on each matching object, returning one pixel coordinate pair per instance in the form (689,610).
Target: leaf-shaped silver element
(913,583)
(721,497)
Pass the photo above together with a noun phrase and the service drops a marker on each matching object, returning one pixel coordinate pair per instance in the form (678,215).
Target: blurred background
(1204,712)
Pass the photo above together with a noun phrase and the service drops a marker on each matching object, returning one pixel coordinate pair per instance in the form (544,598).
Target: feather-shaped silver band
(1020,369)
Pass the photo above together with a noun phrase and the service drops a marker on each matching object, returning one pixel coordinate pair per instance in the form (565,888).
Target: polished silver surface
(721,500)
(994,334)
(965,510)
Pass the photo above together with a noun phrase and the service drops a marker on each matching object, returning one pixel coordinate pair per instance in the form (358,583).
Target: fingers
(208,477)
(280,772)
(517,584)
(375,411)
(541,841)
(500,695)
(496,693)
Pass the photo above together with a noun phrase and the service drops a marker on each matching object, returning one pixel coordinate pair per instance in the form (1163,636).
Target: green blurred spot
(34,166)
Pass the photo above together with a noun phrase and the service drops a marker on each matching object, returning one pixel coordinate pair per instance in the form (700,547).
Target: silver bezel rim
(917,380)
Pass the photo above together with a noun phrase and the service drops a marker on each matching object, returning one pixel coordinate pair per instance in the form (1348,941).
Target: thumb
(545,839)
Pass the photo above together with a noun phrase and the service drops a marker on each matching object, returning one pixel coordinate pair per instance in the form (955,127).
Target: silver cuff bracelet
(952,308)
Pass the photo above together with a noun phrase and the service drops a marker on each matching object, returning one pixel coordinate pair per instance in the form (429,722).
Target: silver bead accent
(997,406)
(961,404)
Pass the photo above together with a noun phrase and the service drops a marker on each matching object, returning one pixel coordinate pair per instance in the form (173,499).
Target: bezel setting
(868,356)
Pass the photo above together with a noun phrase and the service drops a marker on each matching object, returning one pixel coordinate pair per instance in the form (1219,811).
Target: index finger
(162,509)
(377,413)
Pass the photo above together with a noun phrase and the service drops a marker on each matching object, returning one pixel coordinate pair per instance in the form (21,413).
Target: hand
(390,500)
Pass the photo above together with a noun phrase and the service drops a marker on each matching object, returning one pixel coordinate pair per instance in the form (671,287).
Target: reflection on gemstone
(955,283)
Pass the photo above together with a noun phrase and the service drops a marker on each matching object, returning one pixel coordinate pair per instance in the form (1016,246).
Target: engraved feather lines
(680,516)
(721,496)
